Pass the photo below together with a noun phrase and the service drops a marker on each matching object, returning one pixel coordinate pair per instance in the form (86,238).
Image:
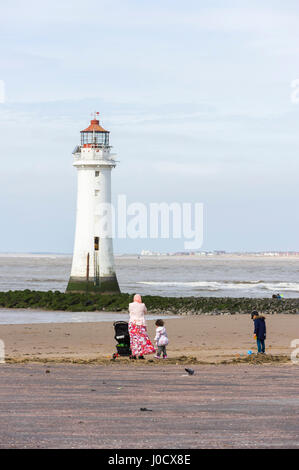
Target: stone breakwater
(224,306)
(165,305)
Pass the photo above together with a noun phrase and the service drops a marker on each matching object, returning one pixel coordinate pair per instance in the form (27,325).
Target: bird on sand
(190,371)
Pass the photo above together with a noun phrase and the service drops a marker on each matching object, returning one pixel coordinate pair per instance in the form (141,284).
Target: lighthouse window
(96,243)
(97,173)
(95,138)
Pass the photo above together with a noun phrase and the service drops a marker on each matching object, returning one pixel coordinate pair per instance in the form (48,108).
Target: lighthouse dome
(94,135)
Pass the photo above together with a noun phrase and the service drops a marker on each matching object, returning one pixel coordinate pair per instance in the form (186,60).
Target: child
(161,339)
(259,331)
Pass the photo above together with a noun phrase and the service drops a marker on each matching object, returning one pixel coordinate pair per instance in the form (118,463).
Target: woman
(139,340)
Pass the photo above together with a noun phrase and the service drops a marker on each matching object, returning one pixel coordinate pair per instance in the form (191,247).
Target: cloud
(192,95)
(192,170)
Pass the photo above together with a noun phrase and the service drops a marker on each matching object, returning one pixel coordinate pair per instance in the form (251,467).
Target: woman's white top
(137,312)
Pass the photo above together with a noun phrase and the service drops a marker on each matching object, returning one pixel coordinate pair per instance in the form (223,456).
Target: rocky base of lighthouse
(105,285)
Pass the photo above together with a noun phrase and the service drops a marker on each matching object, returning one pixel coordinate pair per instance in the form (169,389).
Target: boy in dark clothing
(259,331)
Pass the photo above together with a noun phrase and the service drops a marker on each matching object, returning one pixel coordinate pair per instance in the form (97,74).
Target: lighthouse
(93,261)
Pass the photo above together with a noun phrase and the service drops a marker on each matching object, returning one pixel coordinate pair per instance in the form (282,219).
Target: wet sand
(89,406)
(59,405)
(208,338)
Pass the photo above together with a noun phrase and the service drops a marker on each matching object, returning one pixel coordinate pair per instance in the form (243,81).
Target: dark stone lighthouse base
(103,285)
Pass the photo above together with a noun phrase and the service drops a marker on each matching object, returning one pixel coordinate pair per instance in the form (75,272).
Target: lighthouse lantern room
(94,135)
(93,261)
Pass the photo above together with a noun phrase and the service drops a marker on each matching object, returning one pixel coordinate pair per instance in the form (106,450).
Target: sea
(178,276)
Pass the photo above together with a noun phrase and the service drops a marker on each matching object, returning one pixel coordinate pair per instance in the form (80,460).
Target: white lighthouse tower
(93,261)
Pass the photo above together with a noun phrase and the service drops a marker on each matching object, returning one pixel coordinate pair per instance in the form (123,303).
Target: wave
(286,286)
(43,280)
(35,255)
(229,285)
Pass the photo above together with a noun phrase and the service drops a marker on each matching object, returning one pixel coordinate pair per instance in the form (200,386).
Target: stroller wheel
(133,357)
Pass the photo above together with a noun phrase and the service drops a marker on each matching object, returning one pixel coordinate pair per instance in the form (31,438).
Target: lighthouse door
(96,261)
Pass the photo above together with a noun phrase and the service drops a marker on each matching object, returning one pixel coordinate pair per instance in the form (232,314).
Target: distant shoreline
(207,255)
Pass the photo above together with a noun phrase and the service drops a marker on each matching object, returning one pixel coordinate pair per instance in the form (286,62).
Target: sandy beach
(208,338)
(95,406)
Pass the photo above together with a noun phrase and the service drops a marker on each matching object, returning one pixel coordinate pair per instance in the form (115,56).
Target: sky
(196,95)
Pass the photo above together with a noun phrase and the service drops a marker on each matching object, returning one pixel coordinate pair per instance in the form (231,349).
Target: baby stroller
(123,339)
